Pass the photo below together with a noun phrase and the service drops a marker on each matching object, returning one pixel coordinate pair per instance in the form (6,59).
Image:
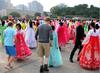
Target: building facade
(35,6)
(21,7)
(5,4)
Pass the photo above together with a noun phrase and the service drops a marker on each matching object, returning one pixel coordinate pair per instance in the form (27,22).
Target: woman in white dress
(30,36)
(90,54)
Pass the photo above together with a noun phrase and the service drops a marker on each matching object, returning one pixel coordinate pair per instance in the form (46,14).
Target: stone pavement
(31,64)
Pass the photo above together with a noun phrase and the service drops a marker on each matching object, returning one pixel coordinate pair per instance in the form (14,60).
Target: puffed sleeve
(86,40)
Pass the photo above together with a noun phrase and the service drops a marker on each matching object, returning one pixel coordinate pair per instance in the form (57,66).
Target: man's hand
(36,44)
(51,43)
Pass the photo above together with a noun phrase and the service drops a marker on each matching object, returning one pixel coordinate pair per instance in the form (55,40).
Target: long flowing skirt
(72,33)
(55,58)
(63,35)
(2,28)
(21,47)
(30,38)
(90,54)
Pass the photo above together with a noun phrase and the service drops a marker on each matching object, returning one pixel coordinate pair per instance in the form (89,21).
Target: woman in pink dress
(72,31)
(21,47)
(62,34)
(66,32)
(90,54)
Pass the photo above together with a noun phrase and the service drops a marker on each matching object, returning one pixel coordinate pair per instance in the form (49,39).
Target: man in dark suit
(78,43)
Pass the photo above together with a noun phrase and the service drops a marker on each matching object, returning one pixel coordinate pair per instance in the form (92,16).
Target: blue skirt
(10,50)
(55,58)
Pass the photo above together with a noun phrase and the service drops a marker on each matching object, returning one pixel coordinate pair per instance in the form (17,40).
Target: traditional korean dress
(30,37)
(35,28)
(90,54)
(2,28)
(72,32)
(62,35)
(23,25)
(86,28)
(21,47)
(55,58)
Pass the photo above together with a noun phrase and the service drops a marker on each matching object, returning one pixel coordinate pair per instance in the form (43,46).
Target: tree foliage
(79,10)
(15,14)
(37,14)
(4,17)
(45,13)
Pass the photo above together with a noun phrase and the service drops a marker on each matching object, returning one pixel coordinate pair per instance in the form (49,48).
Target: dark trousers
(78,45)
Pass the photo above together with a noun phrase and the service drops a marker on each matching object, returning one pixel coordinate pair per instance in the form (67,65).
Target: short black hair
(30,24)
(3,23)
(47,19)
(53,27)
(97,26)
(92,24)
(10,24)
(19,25)
(61,23)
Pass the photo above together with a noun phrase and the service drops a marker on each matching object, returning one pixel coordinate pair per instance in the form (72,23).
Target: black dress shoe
(71,61)
(46,68)
(41,69)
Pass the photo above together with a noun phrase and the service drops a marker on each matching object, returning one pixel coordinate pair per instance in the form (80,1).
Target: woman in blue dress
(55,59)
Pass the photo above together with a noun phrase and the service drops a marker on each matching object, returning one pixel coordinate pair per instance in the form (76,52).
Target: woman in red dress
(90,54)
(21,47)
(62,34)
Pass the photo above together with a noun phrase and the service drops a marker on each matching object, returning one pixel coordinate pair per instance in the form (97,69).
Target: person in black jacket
(78,43)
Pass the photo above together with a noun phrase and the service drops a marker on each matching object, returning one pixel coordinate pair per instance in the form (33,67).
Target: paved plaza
(31,64)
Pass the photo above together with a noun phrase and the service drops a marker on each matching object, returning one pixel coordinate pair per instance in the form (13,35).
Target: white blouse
(90,33)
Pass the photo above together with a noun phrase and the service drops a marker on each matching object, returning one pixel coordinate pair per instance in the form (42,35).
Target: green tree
(45,13)
(59,10)
(79,10)
(4,17)
(37,14)
(15,14)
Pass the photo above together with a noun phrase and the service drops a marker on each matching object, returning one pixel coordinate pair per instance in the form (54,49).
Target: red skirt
(90,54)
(63,35)
(22,49)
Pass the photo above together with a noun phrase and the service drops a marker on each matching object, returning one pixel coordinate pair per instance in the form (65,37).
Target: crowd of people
(49,36)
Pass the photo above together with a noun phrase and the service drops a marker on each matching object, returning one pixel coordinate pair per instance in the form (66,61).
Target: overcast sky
(47,4)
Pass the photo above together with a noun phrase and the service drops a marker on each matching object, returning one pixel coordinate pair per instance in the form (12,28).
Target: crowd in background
(49,36)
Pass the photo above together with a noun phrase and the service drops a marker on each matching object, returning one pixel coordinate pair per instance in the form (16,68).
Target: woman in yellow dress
(23,25)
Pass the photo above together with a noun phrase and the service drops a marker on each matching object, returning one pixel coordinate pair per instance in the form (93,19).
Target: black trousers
(78,45)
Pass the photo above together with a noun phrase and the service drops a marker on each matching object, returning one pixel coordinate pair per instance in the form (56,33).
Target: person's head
(59,18)
(92,26)
(98,20)
(31,24)
(10,24)
(37,23)
(53,28)
(97,26)
(23,21)
(47,20)
(18,26)
(3,23)
(38,17)
(61,23)
(83,22)
(79,20)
